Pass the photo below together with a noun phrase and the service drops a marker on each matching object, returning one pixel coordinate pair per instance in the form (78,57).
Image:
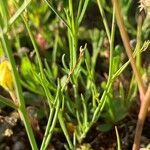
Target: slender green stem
(48,95)
(112,46)
(73,37)
(19,94)
(33,42)
(47,128)
(104,19)
(139,41)
(81,15)
(63,126)
(118,139)
(52,120)
(19,12)
(71,12)
(101,103)
(79,8)
(35,46)
(109,82)
(50,132)
(85,111)
(51,7)
(24,84)
(4,13)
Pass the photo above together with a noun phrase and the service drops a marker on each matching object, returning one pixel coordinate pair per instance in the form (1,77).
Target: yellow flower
(6,80)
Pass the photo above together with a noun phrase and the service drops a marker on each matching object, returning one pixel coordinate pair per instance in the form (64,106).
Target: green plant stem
(118,139)
(47,128)
(24,84)
(52,120)
(111,60)
(63,126)
(128,48)
(21,107)
(47,92)
(19,12)
(79,9)
(112,37)
(33,41)
(81,15)
(109,82)
(104,19)
(108,88)
(73,50)
(72,37)
(101,103)
(139,41)
(4,13)
(51,7)
(83,135)
(85,112)
(16,15)
(34,45)
(51,129)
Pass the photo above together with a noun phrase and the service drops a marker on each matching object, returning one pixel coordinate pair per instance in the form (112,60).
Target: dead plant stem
(126,42)
(141,119)
(144,95)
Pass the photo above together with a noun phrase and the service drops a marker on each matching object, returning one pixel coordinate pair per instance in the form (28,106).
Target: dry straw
(145,4)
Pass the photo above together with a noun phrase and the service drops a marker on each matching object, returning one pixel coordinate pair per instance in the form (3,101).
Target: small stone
(19,146)
(8,132)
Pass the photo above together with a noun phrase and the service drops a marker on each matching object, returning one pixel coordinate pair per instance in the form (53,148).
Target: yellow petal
(6,80)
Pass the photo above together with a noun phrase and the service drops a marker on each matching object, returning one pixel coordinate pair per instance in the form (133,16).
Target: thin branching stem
(104,19)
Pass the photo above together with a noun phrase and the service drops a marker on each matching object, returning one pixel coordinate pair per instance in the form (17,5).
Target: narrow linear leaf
(7,102)
(19,12)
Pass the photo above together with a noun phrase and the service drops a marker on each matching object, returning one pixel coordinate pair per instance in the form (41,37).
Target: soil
(13,135)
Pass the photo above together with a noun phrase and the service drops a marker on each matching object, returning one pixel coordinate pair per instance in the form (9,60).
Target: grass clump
(78,71)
